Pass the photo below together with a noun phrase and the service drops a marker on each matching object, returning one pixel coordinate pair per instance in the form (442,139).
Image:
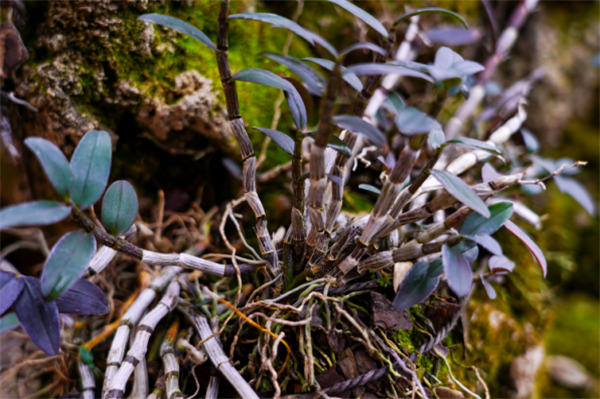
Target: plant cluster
(424,233)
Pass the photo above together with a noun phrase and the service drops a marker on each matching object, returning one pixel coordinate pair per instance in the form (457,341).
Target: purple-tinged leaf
(10,293)
(532,246)
(37,213)
(393,102)
(452,36)
(531,142)
(489,290)
(411,121)
(487,242)
(8,322)
(545,163)
(363,16)
(436,138)
(432,10)
(445,58)
(336,179)
(335,143)
(363,46)
(5,277)
(476,144)
(488,173)
(358,125)
(264,77)
(501,264)
(38,318)
(459,190)
(471,254)
(180,26)
(278,22)
(368,187)
(66,263)
(233,168)
(458,270)
(119,207)
(436,268)
(415,287)
(386,69)
(477,224)
(576,190)
(90,166)
(53,162)
(314,81)
(350,78)
(281,139)
(567,162)
(83,298)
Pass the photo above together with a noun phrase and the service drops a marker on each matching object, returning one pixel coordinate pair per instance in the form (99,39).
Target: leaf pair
(420,282)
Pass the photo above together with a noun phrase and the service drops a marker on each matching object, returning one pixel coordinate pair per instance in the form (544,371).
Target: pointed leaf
(577,191)
(436,268)
(458,271)
(336,179)
(37,213)
(119,207)
(368,187)
(83,298)
(501,264)
(453,36)
(10,293)
(477,224)
(470,254)
(53,162)
(278,22)
(66,263)
(335,143)
(386,69)
(314,81)
(459,190)
(38,318)
(5,278)
(488,173)
(436,138)
(350,78)
(261,76)
(90,166)
(358,125)
(477,144)
(179,26)
(415,287)
(8,322)
(432,10)
(281,139)
(412,121)
(532,246)
(233,168)
(393,102)
(489,290)
(487,242)
(363,46)
(362,15)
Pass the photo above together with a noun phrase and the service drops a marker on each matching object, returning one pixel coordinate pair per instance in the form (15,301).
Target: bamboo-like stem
(246,150)
(88,382)
(170,362)
(130,318)
(298,187)
(504,45)
(212,391)
(140,377)
(318,180)
(217,356)
(106,254)
(117,383)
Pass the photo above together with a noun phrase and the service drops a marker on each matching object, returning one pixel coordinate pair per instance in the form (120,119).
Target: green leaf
(458,271)
(412,121)
(281,139)
(393,102)
(368,187)
(436,138)
(314,81)
(358,125)
(477,224)
(476,144)
(54,162)
(86,356)
(90,166)
(459,190)
(386,69)
(66,263)
(179,26)
(362,15)
(37,213)
(432,10)
(335,143)
(350,78)
(415,287)
(264,77)
(9,322)
(119,207)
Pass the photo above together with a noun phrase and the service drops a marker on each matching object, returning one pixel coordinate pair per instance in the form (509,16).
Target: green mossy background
(104,48)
